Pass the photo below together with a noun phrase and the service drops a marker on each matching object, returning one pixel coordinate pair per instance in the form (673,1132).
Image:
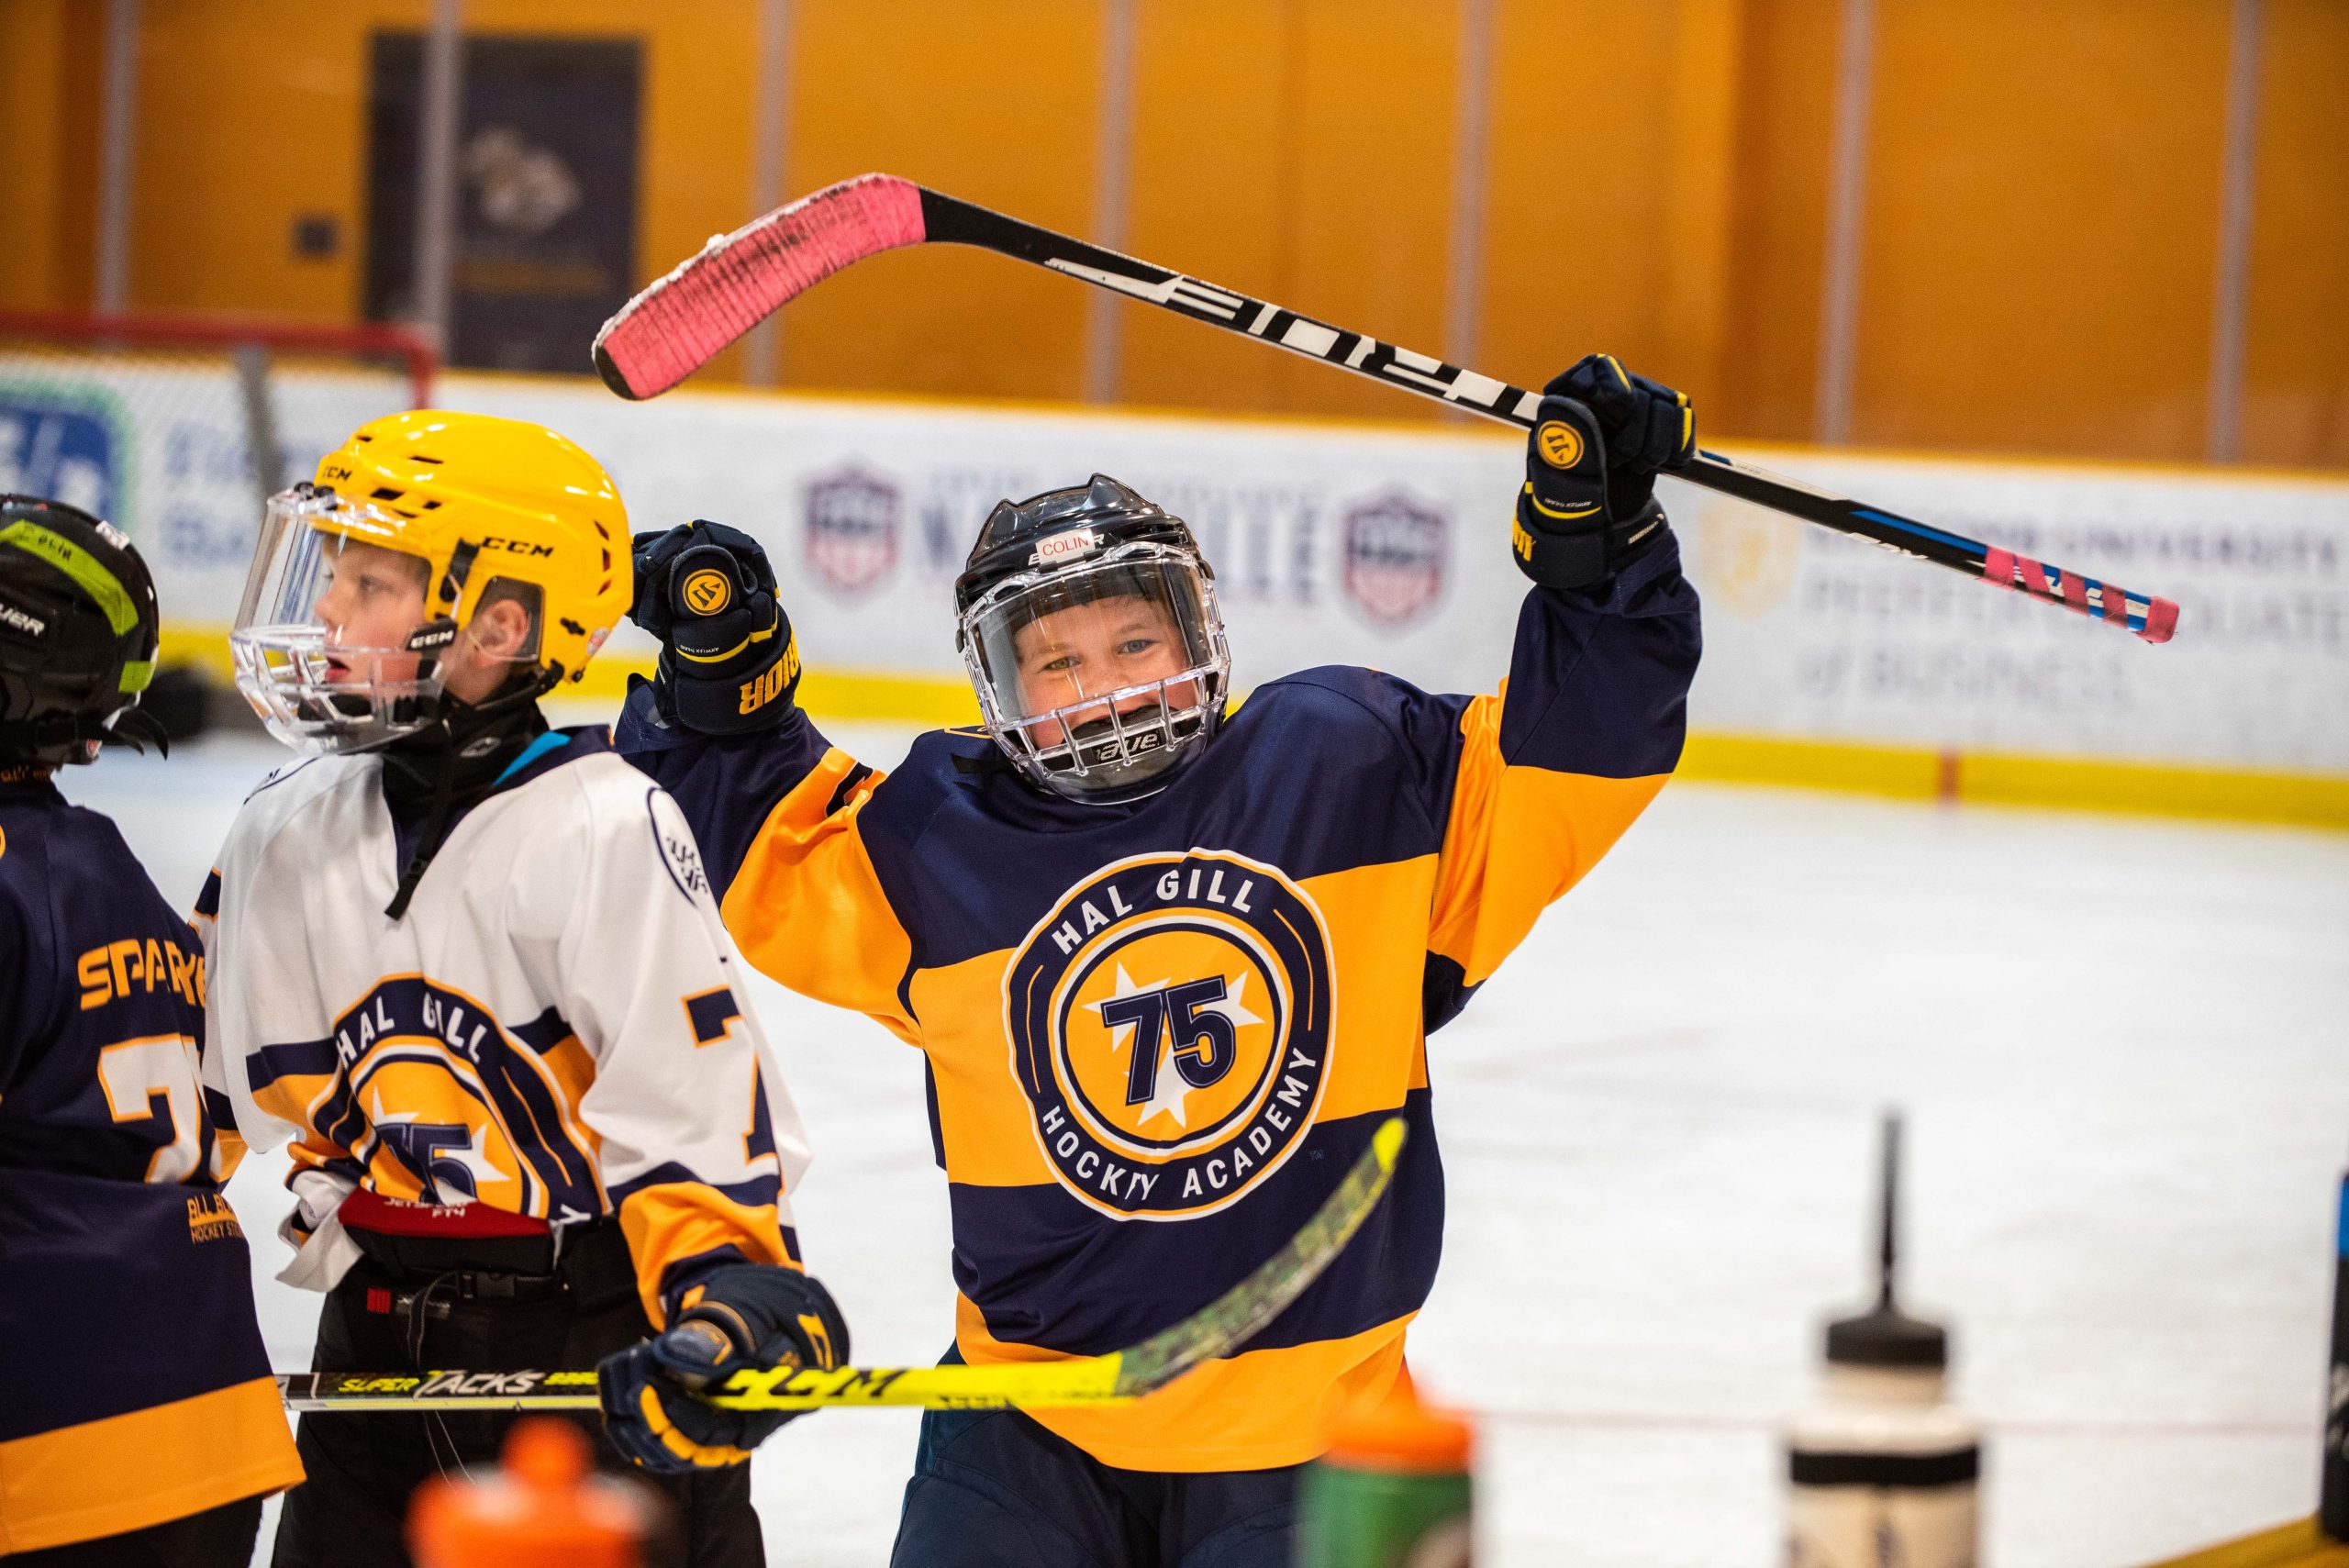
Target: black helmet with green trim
(78,632)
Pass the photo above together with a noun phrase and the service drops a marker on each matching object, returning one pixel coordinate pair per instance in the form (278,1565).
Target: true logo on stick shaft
(1170,1022)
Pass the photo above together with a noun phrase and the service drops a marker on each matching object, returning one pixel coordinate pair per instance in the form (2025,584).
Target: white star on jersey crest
(1170,1091)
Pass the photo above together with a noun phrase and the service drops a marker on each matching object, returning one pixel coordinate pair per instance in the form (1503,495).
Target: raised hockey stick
(1221,1326)
(680,323)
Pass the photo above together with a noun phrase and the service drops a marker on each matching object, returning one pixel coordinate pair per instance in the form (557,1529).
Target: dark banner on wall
(547,176)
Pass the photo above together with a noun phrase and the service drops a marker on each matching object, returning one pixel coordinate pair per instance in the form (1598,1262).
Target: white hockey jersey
(556,1028)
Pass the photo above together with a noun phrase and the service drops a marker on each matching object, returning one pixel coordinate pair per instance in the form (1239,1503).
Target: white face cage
(1101,740)
(371,676)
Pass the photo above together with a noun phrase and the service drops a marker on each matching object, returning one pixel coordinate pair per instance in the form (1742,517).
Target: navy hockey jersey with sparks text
(114,1237)
(1157,1034)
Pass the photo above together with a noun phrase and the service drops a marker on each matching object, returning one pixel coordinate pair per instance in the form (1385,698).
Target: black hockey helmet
(1103,716)
(1085,517)
(78,633)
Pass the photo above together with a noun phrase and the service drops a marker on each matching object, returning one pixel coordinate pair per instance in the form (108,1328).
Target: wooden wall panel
(1214,89)
(32,53)
(1366,197)
(1786,115)
(1580,156)
(251,111)
(997,104)
(2296,368)
(2041,227)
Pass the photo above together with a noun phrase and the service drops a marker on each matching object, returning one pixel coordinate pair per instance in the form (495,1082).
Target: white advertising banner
(1388,546)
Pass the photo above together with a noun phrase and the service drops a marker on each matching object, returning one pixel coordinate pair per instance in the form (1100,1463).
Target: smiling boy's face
(1068,655)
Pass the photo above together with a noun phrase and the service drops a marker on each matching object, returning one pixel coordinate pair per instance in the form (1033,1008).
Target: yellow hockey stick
(1216,1328)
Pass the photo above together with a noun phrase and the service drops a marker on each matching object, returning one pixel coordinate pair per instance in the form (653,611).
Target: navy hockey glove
(728,662)
(750,1315)
(1588,507)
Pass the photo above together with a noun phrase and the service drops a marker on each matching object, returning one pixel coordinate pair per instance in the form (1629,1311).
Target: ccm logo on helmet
(517,546)
(1059,547)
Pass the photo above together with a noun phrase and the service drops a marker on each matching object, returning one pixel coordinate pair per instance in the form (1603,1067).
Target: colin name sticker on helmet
(1170,1022)
(1066,545)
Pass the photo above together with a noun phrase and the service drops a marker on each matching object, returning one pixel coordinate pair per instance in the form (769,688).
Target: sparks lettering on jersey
(107,972)
(1170,1021)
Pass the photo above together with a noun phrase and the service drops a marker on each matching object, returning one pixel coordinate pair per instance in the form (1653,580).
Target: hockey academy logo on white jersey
(1170,1022)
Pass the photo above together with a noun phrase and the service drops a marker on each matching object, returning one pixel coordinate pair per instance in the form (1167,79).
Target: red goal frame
(409,348)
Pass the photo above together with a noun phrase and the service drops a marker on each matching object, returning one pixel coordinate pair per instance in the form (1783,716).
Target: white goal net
(174,429)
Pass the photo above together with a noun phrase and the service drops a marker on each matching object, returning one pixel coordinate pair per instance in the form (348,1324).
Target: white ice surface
(2121,1045)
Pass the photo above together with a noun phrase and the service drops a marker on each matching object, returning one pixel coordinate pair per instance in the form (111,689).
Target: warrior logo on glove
(1560,443)
(706,592)
(1170,1021)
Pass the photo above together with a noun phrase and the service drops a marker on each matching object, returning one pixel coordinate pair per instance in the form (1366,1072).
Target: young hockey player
(471,967)
(1171,965)
(137,1420)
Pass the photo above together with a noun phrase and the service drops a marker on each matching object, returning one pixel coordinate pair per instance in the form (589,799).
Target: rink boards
(1827,661)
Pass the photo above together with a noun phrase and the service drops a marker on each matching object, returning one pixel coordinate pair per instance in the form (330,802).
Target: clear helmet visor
(1098,678)
(335,644)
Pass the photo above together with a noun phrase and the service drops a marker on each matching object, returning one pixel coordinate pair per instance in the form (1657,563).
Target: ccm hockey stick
(1216,1328)
(679,323)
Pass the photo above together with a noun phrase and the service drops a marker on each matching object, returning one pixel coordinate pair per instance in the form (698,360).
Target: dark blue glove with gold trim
(728,662)
(1588,505)
(749,1314)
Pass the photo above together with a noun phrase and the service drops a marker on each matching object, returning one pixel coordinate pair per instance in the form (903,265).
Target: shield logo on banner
(851,533)
(1394,567)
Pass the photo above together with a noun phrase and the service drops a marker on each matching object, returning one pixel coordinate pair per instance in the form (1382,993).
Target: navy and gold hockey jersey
(133,1385)
(1157,1034)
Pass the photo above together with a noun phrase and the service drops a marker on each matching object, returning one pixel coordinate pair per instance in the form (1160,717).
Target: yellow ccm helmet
(366,581)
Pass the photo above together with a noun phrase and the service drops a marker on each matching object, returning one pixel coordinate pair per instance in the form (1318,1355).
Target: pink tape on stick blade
(677,324)
(2150,617)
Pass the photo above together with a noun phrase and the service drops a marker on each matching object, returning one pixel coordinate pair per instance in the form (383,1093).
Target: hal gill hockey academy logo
(1170,1022)
(850,537)
(1394,557)
(441,1102)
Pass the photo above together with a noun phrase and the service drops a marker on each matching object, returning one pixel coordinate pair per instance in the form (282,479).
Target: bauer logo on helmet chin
(1132,746)
(1062,546)
(31,625)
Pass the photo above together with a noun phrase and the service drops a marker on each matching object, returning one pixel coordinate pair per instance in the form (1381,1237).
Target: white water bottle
(1884,1472)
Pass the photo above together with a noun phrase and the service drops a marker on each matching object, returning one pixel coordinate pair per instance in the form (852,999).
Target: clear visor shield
(1096,678)
(333,643)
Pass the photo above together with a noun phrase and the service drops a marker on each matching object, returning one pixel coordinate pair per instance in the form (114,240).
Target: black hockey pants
(352,1510)
(217,1537)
